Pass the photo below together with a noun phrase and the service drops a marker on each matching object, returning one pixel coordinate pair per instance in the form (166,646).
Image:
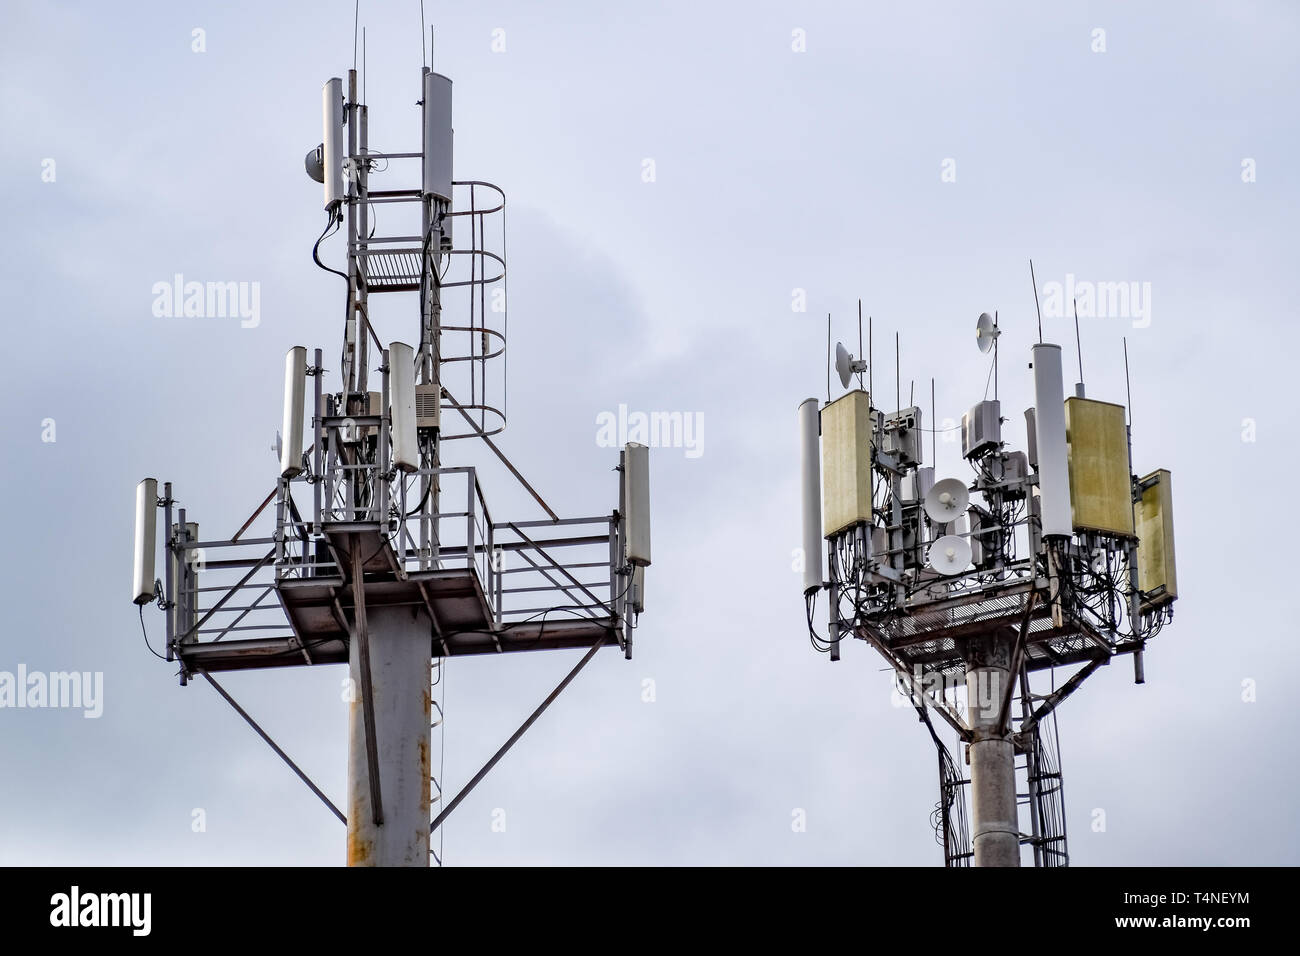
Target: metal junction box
(1097,452)
(981,429)
(846,462)
(903,435)
(428,406)
(1157,577)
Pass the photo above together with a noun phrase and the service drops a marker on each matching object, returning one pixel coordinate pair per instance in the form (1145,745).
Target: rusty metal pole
(400,675)
(389,658)
(995,822)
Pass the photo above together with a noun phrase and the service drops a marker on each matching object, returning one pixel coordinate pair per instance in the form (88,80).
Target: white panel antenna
(811,490)
(295,387)
(1049,427)
(636,595)
(437,137)
(146,540)
(636,502)
(915,485)
(332,144)
(946,500)
(401,401)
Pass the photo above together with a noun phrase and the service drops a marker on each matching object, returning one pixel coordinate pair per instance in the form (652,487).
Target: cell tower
(1058,559)
(382,555)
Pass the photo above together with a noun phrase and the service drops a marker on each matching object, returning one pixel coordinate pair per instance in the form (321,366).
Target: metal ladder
(1039,767)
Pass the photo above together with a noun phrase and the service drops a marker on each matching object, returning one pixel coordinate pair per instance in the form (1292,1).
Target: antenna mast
(969,588)
(366,566)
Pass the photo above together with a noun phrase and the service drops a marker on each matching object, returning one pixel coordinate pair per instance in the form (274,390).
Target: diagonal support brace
(274,746)
(362,637)
(437,821)
(1065,690)
(1017,659)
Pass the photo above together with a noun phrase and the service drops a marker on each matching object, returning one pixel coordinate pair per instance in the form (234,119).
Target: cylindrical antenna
(859,339)
(363,65)
(898,381)
(911,392)
(424,53)
(332,146)
(1078,342)
(146,540)
(295,391)
(828,358)
(401,401)
(1036,306)
(356,19)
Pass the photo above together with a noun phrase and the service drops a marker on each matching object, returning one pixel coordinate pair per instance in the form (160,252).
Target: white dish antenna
(986,332)
(949,555)
(846,365)
(315,163)
(946,501)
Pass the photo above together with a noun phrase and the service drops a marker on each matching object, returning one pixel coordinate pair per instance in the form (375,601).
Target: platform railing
(568,567)
(222,590)
(527,569)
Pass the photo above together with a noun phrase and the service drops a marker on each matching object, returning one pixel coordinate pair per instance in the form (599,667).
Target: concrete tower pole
(400,674)
(994,817)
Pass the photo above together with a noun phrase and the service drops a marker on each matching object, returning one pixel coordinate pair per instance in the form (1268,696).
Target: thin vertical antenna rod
(934,428)
(871,360)
(424,53)
(859,339)
(1034,281)
(1128,391)
(356,19)
(1078,342)
(898,381)
(911,393)
(995,356)
(828,358)
(363,65)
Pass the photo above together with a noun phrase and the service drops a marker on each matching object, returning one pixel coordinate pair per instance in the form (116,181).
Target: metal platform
(927,635)
(495,588)
(392,270)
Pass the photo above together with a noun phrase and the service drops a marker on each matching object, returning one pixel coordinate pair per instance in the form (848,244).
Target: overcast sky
(913,155)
